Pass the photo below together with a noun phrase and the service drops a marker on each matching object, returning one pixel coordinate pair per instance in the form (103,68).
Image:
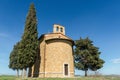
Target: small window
(57,29)
(61,29)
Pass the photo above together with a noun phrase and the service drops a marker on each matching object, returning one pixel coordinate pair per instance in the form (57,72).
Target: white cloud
(116,61)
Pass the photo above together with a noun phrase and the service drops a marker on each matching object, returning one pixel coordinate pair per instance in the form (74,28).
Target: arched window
(57,29)
(61,29)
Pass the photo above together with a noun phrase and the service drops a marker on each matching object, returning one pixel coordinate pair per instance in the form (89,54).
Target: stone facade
(55,57)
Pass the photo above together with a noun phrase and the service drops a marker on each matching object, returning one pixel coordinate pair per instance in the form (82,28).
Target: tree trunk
(85,73)
(22,73)
(30,72)
(17,73)
(25,73)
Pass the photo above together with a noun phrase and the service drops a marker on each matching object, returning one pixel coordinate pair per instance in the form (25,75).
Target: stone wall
(58,53)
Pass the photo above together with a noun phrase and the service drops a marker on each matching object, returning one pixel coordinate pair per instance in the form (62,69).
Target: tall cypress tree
(29,42)
(87,56)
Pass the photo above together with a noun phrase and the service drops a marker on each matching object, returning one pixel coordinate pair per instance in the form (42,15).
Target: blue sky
(97,19)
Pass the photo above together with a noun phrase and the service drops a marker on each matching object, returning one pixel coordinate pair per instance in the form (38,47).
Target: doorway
(66,69)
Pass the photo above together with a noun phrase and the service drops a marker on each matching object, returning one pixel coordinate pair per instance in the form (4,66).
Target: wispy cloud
(4,35)
(116,61)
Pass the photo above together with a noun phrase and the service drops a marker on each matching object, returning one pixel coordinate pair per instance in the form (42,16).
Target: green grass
(5,77)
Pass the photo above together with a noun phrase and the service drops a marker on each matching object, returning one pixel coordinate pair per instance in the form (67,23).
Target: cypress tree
(87,56)
(14,59)
(29,42)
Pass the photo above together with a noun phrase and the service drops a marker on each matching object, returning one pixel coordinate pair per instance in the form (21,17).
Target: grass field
(4,77)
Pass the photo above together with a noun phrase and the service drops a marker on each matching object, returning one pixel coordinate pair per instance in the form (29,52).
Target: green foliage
(14,58)
(14,61)
(87,55)
(29,42)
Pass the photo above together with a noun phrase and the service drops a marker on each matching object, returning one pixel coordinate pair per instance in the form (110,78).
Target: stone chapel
(55,58)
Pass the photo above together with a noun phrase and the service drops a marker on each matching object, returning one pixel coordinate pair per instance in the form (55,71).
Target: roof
(55,36)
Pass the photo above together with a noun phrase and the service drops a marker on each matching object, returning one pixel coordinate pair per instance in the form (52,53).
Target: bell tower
(58,29)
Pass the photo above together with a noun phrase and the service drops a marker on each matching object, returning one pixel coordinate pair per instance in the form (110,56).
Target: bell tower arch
(58,29)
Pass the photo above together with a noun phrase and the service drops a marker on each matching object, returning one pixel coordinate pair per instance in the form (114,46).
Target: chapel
(55,55)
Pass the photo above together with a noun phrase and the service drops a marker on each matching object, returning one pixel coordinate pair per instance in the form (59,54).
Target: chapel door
(66,69)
